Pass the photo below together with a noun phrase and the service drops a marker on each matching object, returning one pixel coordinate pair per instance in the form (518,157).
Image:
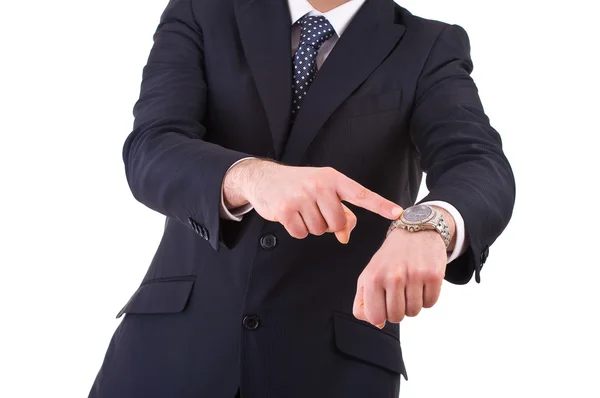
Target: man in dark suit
(267,131)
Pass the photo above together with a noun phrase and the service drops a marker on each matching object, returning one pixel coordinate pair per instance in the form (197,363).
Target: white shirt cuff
(237,213)
(460,247)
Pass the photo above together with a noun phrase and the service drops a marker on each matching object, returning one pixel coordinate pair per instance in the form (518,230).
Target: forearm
(177,176)
(460,151)
(482,190)
(169,166)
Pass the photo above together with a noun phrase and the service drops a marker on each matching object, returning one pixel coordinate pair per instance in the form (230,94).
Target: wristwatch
(420,218)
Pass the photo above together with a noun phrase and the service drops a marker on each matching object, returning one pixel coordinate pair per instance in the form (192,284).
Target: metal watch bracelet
(440,226)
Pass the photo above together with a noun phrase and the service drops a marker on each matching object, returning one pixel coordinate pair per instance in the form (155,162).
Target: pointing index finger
(352,192)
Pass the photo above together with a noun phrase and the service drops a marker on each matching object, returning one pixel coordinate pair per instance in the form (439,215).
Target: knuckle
(367,281)
(362,193)
(415,273)
(432,276)
(370,279)
(337,226)
(301,234)
(329,173)
(292,231)
(441,274)
(295,230)
(286,207)
(318,230)
(361,281)
(378,279)
(396,279)
(312,184)
(285,217)
(381,206)
(328,170)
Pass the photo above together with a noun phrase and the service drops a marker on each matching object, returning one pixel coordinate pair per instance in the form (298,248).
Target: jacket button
(268,242)
(204,233)
(251,322)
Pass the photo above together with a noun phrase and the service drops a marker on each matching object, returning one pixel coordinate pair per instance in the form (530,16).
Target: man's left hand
(404,276)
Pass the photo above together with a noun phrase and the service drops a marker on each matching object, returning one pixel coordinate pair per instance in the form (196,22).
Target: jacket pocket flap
(367,343)
(160,296)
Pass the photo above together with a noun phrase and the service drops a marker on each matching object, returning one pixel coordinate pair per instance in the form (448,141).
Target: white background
(74,244)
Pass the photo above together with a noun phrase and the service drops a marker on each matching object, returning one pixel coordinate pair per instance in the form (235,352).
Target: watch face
(417,213)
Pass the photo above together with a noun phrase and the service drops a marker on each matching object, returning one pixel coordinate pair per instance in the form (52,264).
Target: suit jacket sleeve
(459,150)
(169,167)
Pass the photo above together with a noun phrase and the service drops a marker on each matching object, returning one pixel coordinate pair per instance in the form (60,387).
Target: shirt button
(268,242)
(251,322)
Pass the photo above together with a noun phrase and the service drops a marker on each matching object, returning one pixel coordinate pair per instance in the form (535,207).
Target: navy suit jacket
(242,305)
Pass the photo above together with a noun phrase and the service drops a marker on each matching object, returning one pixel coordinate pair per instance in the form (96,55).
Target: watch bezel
(435,221)
(421,222)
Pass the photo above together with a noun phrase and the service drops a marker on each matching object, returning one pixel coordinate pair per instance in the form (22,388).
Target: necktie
(314,31)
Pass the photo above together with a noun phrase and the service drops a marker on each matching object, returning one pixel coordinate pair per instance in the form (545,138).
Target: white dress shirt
(339,18)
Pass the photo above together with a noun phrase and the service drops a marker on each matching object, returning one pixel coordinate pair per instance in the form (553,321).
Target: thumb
(344,235)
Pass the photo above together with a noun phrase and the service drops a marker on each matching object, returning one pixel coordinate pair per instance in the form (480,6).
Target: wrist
(239,181)
(424,218)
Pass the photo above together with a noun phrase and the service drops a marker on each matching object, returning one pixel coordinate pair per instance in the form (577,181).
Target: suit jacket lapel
(367,41)
(265,30)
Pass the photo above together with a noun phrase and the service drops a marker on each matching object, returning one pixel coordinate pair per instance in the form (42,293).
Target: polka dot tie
(314,31)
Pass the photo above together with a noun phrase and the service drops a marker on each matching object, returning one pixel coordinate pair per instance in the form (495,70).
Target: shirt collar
(339,17)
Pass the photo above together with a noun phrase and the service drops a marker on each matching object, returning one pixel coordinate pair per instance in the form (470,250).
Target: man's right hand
(305,200)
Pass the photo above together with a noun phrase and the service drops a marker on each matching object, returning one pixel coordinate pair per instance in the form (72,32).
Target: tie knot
(315,30)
